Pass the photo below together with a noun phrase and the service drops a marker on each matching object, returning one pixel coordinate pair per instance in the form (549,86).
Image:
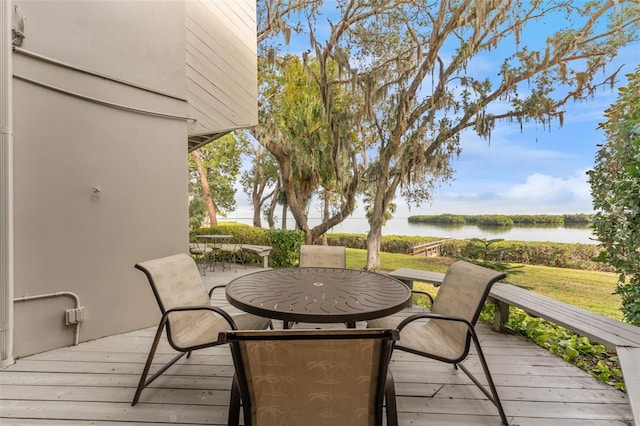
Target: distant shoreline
(401,227)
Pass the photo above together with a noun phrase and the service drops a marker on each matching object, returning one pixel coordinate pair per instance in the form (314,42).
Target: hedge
(286,243)
(559,255)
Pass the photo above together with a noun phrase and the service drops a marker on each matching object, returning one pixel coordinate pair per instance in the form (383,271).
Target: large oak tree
(411,67)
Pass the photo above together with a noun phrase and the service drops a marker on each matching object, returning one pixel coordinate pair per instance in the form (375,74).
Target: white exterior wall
(66,238)
(103,92)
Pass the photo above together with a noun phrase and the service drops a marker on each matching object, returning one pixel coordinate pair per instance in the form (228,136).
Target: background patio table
(215,242)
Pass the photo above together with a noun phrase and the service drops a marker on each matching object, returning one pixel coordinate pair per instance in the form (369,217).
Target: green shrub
(615,187)
(286,245)
(559,255)
(490,254)
(599,361)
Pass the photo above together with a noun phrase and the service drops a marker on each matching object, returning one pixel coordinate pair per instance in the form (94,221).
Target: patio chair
(200,252)
(312,377)
(190,320)
(449,329)
(323,256)
(232,254)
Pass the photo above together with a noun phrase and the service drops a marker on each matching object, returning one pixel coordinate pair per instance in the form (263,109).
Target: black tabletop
(318,295)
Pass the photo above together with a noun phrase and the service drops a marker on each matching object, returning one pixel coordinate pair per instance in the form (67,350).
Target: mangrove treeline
(504,220)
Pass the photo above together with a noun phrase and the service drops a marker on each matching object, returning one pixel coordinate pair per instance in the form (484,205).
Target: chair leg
(234,403)
(147,366)
(241,258)
(143,383)
(390,401)
(493,396)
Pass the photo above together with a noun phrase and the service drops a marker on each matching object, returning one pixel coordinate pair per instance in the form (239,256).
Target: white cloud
(548,188)
(538,194)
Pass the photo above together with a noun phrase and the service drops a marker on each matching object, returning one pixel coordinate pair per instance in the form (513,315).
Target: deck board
(95,381)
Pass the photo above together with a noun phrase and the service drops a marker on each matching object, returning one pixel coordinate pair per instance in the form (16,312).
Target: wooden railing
(427,249)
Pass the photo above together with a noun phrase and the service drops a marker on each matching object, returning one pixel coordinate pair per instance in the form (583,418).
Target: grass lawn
(587,289)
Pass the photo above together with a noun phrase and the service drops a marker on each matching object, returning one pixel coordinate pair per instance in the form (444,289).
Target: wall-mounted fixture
(17,31)
(97,192)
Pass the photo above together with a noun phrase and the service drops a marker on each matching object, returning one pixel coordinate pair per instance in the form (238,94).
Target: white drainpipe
(6,185)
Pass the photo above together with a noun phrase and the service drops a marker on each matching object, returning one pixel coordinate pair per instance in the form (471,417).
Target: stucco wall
(66,238)
(140,41)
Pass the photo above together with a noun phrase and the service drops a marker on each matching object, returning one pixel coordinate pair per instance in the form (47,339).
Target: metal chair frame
(166,324)
(486,278)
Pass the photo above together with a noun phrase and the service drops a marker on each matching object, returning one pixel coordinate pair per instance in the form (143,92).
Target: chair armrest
(412,318)
(215,287)
(215,309)
(423,293)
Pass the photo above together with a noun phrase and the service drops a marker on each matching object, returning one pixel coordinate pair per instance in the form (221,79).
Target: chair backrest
(315,377)
(323,256)
(176,281)
(463,292)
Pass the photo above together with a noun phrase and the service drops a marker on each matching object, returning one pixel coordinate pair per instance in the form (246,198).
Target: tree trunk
(256,201)
(374,237)
(385,191)
(296,202)
(272,206)
(374,243)
(284,216)
(257,221)
(325,216)
(206,192)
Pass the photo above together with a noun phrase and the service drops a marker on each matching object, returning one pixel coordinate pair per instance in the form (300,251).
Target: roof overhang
(196,140)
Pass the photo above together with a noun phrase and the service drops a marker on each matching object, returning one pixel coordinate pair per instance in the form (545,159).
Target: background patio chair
(200,252)
(312,377)
(323,256)
(232,254)
(447,334)
(191,322)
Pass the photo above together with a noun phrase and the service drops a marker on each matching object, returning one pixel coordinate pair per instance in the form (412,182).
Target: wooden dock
(94,382)
(431,249)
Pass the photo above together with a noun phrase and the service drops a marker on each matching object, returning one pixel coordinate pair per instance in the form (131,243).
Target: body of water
(401,226)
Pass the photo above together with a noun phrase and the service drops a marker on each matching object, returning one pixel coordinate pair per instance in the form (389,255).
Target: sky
(533,170)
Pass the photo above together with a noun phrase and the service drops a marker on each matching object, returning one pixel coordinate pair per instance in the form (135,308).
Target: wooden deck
(94,382)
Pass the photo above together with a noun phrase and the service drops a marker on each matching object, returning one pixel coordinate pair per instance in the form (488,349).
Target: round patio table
(318,295)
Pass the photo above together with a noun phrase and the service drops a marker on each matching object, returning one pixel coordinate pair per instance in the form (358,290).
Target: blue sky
(533,170)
